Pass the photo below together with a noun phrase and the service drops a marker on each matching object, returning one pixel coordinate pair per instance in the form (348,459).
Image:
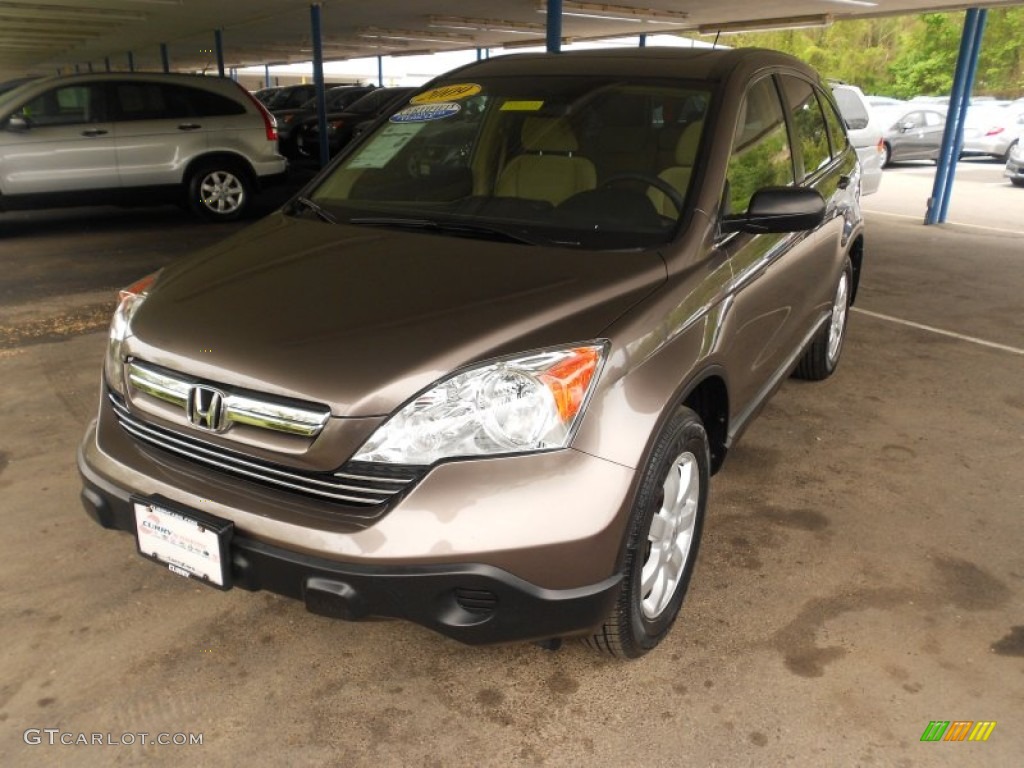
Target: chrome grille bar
(343,486)
(239,409)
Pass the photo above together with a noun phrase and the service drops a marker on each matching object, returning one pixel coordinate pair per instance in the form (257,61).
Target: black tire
(886,154)
(1017,182)
(821,358)
(638,622)
(219,190)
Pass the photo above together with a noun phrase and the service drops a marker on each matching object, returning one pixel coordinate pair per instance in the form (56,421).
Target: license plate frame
(187,542)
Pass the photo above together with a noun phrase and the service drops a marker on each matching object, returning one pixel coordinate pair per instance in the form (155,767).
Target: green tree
(904,56)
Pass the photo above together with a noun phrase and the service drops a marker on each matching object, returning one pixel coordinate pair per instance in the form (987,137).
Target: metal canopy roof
(41,36)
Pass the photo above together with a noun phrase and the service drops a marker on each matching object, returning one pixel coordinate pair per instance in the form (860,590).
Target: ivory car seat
(549,168)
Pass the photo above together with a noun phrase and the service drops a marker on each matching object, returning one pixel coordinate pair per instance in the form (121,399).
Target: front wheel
(886,155)
(822,357)
(664,536)
(219,191)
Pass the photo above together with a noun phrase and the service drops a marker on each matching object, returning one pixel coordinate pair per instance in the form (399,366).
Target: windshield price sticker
(385,145)
(447,93)
(424,113)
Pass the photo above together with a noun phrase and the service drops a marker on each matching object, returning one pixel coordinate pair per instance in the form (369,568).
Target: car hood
(363,318)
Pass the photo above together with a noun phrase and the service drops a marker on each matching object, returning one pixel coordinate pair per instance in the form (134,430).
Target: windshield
(578,161)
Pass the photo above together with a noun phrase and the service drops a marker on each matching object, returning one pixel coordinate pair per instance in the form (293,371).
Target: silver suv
(85,139)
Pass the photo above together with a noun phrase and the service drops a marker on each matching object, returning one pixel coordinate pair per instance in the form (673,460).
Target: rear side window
(760,152)
(207,104)
(164,101)
(810,132)
(852,108)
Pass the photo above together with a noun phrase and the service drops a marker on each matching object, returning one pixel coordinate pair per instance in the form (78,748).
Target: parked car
(913,134)
(991,131)
(1015,165)
(343,123)
(264,95)
(124,138)
(294,96)
(884,102)
(485,391)
(865,133)
(336,100)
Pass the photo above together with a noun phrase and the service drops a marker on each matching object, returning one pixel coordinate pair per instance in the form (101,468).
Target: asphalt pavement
(861,575)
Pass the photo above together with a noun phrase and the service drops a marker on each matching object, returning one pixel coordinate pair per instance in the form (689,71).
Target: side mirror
(778,209)
(17,123)
(906,126)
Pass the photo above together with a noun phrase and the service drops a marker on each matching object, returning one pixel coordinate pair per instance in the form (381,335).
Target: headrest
(548,134)
(686,149)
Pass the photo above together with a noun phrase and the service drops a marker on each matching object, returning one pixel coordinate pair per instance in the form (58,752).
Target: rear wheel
(822,357)
(1017,182)
(219,191)
(664,536)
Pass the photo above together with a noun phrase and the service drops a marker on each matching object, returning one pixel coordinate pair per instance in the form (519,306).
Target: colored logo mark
(958,730)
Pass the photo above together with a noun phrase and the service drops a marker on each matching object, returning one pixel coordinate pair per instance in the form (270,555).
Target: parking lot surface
(861,573)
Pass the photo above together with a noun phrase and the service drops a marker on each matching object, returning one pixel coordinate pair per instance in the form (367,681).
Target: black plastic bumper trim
(427,595)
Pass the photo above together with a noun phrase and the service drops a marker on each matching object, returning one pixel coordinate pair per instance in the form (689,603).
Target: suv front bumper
(471,601)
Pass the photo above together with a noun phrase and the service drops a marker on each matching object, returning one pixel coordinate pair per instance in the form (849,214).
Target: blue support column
(479,53)
(318,80)
(965,101)
(77,69)
(950,149)
(380,71)
(90,66)
(266,75)
(643,39)
(218,46)
(106,62)
(131,61)
(165,57)
(554,17)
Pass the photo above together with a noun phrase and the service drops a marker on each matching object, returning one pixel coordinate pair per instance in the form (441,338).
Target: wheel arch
(221,156)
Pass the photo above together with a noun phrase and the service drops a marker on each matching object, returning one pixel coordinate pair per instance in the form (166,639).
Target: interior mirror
(778,209)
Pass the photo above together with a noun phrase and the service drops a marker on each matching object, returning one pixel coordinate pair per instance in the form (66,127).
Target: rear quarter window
(852,108)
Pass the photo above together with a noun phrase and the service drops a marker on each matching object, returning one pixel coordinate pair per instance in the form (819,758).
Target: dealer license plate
(187,542)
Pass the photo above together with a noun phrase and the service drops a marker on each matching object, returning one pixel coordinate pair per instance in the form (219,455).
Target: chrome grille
(354,484)
(176,389)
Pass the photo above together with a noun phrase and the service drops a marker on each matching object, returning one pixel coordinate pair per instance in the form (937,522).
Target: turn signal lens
(569,380)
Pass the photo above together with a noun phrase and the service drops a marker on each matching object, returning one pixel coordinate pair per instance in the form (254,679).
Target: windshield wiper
(459,228)
(309,205)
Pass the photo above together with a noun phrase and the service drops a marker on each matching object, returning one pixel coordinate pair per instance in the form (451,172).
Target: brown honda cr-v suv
(478,373)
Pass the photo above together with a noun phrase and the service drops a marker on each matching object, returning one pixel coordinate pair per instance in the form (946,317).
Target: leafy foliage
(905,56)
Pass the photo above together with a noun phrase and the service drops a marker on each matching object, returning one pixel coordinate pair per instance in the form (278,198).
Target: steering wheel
(652,181)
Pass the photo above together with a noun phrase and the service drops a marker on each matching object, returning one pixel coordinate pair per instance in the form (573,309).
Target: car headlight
(522,404)
(131,299)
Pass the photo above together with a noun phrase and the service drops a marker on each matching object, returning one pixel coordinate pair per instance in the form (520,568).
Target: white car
(992,130)
(865,134)
(88,139)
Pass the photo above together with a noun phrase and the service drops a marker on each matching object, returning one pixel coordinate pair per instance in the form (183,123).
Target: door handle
(189,127)
(94,132)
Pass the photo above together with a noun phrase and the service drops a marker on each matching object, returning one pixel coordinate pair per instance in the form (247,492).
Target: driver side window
(761,155)
(69,105)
